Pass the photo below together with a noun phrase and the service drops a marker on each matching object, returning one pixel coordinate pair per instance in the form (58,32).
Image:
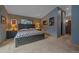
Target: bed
(25,36)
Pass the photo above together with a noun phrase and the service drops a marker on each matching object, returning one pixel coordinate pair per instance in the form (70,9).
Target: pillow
(31,29)
(23,30)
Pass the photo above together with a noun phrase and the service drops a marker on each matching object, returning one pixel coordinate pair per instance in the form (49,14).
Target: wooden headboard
(25,26)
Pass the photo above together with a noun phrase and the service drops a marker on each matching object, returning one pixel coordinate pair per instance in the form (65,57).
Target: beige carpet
(48,45)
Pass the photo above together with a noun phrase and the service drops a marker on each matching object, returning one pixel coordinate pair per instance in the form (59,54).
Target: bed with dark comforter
(25,36)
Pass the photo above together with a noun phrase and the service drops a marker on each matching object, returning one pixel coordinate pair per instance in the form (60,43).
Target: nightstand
(10,34)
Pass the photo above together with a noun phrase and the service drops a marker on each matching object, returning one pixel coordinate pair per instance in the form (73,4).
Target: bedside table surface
(10,34)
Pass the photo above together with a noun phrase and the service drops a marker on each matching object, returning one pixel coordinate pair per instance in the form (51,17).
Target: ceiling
(37,11)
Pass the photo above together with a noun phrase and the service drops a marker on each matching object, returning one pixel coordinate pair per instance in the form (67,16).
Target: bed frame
(30,39)
(25,26)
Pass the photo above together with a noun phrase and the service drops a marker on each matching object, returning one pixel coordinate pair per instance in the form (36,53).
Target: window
(25,21)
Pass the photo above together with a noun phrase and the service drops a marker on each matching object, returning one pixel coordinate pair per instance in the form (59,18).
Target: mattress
(27,33)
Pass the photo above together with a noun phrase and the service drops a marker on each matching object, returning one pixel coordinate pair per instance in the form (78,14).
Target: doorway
(65,23)
(68,25)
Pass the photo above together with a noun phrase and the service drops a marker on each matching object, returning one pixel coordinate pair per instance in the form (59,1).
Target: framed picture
(44,22)
(13,21)
(51,21)
(3,19)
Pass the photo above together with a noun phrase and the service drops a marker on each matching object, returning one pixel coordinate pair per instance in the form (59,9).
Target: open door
(68,25)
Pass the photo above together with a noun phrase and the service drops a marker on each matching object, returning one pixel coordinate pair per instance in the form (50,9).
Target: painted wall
(4,13)
(75,24)
(56,29)
(18,18)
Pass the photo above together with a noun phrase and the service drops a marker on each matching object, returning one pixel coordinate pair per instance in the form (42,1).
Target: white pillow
(23,29)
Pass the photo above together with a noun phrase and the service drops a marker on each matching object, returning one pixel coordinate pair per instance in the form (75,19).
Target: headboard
(25,26)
